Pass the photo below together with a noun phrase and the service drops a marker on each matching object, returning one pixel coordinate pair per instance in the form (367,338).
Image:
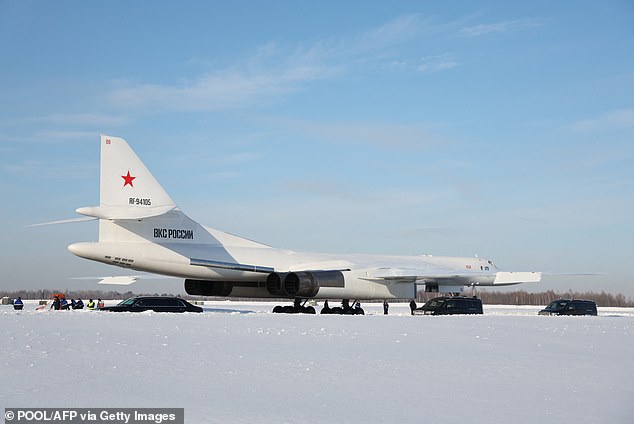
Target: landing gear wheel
(344,309)
(296,308)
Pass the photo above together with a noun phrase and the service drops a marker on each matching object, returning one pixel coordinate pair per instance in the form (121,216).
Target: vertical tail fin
(124,177)
(128,190)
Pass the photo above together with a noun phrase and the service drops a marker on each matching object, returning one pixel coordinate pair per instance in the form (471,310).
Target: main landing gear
(344,309)
(298,307)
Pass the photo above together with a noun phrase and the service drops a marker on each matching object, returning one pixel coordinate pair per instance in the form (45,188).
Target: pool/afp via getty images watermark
(95,415)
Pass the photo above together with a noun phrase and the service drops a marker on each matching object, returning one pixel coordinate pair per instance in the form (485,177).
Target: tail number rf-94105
(139,202)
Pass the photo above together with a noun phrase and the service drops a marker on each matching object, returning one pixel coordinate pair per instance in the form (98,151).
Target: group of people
(60,303)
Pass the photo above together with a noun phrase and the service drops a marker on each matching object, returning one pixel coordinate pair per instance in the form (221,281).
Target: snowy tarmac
(239,363)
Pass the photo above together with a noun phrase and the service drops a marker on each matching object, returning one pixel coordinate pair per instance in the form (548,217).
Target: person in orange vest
(100,304)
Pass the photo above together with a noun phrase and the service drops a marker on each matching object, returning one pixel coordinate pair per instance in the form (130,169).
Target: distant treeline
(519,297)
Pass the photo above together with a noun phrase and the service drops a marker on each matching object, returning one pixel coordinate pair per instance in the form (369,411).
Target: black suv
(156,304)
(450,306)
(570,307)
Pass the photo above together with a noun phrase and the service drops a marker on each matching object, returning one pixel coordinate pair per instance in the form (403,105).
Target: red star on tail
(128,179)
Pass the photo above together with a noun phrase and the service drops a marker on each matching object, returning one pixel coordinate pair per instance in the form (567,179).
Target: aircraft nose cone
(78,249)
(72,248)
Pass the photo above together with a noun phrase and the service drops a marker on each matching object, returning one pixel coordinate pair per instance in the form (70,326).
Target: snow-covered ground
(238,363)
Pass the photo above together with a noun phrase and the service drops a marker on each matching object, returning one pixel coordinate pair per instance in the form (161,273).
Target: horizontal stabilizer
(123,212)
(124,280)
(119,281)
(62,221)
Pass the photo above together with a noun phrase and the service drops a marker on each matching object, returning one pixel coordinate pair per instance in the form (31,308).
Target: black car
(570,307)
(450,306)
(156,304)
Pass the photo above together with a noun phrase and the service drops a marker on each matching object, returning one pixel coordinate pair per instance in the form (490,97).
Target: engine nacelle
(307,284)
(208,288)
(275,284)
(303,284)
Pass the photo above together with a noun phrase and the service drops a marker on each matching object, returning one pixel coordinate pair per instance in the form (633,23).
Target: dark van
(570,307)
(455,305)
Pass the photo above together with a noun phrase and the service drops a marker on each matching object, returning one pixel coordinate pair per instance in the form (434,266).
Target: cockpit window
(127,302)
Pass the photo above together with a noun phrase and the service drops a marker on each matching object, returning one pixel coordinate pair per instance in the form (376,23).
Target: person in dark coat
(63,304)
(56,303)
(386,306)
(412,306)
(79,304)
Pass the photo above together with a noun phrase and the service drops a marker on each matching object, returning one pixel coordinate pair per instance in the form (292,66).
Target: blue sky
(497,129)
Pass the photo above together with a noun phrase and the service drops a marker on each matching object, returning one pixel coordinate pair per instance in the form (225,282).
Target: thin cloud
(500,27)
(239,158)
(390,136)
(320,188)
(613,120)
(424,65)
(226,175)
(220,91)
(273,71)
(418,233)
(65,135)
(436,63)
(101,120)
(44,170)
(49,137)
(394,32)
